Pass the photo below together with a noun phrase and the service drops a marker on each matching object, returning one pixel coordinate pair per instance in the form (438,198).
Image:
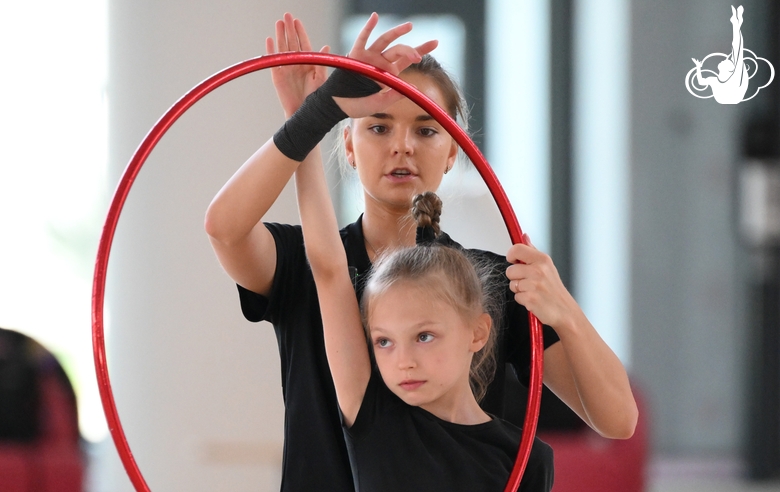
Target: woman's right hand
(294,82)
(393,60)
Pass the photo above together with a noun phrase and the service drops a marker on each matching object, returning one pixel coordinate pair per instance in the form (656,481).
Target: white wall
(197,387)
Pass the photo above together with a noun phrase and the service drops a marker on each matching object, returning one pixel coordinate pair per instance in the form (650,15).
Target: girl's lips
(411,385)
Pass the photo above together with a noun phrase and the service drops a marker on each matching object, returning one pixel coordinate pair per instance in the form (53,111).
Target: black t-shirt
(398,447)
(315,454)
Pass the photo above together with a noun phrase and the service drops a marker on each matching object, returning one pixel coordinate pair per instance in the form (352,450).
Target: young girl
(398,152)
(416,424)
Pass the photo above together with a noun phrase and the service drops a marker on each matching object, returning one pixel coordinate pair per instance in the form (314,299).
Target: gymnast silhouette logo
(731,82)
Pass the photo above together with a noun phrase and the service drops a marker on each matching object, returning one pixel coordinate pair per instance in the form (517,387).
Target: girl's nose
(405,358)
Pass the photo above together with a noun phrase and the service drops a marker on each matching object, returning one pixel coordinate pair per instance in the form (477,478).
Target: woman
(398,151)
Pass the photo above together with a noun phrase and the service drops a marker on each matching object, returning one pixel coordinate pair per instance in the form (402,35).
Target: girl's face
(402,151)
(423,347)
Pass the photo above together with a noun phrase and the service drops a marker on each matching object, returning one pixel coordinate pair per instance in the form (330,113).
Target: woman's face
(402,151)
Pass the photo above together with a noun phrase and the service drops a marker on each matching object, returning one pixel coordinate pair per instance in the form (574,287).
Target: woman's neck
(387,229)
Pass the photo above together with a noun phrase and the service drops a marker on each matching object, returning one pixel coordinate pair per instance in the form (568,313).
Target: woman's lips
(411,384)
(401,175)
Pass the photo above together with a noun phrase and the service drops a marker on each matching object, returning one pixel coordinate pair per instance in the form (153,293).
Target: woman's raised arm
(244,247)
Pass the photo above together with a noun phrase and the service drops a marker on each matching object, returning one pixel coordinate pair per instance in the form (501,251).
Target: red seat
(587,462)
(52,460)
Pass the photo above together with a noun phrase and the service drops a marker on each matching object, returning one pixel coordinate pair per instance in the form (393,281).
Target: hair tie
(426,236)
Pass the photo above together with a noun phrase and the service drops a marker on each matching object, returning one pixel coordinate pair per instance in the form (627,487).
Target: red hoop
(162,126)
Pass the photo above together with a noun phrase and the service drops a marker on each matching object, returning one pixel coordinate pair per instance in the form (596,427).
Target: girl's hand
(294,82)
(393,60)
(538,287)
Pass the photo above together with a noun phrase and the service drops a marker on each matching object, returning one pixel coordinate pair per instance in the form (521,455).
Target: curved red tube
(162,126)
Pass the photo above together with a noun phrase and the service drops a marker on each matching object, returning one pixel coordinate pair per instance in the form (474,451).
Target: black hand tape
(319,113)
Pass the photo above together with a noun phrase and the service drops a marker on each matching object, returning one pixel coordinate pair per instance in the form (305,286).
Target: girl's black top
(397,447)
(315,452)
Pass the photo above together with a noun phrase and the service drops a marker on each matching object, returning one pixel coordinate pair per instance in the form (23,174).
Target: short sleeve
(375,398)
(291,269)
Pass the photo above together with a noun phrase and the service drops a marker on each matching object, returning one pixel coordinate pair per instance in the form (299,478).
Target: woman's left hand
(537,286)
(294,82)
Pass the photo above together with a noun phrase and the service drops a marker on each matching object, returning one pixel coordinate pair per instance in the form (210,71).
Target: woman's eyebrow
(388,116)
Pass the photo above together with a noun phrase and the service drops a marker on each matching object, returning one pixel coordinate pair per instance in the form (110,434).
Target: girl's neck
(386,229)
(458,407)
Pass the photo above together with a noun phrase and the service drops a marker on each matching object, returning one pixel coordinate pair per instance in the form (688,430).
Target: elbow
(211,225)
(624,426)
(215,227)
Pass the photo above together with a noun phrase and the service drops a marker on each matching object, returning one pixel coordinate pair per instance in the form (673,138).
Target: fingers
(365,33)
(303,38)
(401,56)
(269,46)
(427,47)
(523,253)
(281,39)
(383,41)
(290,33)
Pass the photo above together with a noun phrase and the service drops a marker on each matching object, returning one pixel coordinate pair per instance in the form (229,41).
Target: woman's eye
(379,129)
(428,132)
(425,337)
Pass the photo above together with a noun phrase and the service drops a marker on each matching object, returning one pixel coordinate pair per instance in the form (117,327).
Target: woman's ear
(452,155)
(482,327)
(348,147)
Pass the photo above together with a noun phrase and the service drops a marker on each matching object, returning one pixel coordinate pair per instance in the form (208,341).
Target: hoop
(186,102)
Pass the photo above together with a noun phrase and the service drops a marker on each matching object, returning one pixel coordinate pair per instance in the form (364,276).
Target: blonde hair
(447,274)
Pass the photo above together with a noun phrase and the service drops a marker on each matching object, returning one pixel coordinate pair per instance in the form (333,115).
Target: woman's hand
(393,60)
(537,286)
(294,82)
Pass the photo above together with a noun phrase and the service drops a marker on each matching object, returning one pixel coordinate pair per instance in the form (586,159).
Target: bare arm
(345,342)
(581,370)
(244,247)
(241,242)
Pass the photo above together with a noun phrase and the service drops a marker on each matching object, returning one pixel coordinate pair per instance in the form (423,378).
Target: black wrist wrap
(319,113)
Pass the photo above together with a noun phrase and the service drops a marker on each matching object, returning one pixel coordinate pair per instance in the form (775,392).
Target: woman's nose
(403,143)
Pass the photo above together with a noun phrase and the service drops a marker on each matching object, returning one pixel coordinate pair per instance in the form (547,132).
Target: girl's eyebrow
(417,326)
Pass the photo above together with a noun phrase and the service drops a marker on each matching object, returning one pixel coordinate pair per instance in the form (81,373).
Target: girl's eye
(428,132)
(378,129)
(425,337)
(382,342)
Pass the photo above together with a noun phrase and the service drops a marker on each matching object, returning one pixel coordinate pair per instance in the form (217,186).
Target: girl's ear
(482,327)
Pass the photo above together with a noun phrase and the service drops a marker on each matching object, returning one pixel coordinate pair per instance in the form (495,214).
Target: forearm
(591,379)
(245,199)
(345,343)
(318,219)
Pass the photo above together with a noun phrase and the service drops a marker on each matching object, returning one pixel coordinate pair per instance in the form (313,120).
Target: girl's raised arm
(345,342)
